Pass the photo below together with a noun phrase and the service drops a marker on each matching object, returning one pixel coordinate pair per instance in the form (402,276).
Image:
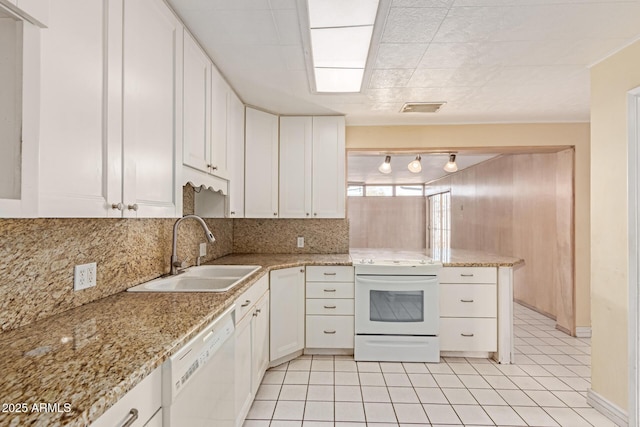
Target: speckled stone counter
(448,257)
(90,356)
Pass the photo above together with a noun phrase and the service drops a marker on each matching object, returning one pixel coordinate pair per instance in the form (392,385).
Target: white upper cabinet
(235,156)
(108,125)
(152,71)
(328,193)
(295,166)
(312,167)
(261,164)
(196,107)
(220,92)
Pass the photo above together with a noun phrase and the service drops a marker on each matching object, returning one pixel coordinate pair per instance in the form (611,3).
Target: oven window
(396,306)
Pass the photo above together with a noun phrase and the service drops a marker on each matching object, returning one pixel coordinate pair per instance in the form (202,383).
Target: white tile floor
(545,387)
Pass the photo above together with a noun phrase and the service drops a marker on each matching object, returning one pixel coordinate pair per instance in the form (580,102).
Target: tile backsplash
(37,256)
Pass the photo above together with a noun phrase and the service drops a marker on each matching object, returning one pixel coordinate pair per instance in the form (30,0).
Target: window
(409,190)
(440,221)
(355,190)
(379,190)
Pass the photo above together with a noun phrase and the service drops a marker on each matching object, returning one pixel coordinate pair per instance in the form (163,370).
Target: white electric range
(397,309)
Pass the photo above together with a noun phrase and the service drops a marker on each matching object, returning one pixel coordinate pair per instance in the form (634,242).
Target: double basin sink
(206,278)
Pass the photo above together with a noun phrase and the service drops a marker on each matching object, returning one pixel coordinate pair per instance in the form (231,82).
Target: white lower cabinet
(330,307)
(287,312)
(469,309)
(252,345)
(139,407)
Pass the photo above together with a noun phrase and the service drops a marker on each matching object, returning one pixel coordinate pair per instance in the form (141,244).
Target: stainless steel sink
(206,278)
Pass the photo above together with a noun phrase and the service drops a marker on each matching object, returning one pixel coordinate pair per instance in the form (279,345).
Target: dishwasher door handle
(133,416)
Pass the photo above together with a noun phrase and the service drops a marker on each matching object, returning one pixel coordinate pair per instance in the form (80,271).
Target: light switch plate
(203,249)
(301,242)
(84,276)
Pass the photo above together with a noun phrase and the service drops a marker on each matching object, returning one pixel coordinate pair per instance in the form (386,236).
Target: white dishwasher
(198,381)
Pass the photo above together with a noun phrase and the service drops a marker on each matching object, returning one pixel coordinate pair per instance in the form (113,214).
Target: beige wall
(611,79)
(387,222)
(521,205)
(502,138)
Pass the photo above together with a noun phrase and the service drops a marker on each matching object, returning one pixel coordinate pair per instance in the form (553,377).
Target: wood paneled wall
(387,222)
(521,205)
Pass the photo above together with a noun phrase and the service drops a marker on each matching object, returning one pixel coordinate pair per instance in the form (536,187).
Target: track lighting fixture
(385,167)
(415,166)
(451,165)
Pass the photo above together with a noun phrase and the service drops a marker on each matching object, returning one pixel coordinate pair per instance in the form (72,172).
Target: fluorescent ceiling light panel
(341,33)
(342,13)
(338,79)
(345,47)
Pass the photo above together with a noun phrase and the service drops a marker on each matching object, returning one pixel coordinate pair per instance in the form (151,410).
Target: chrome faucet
(175,264)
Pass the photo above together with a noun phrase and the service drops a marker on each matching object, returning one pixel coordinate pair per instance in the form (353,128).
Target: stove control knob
(362,261)
(370,261)
(423,261)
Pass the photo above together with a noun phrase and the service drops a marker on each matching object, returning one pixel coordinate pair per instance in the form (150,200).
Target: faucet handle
(179,264)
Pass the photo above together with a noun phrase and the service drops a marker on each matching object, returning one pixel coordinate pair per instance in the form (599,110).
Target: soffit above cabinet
(491,61)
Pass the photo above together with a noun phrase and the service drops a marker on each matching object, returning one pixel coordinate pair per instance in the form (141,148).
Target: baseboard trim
(583,331)
(607,408)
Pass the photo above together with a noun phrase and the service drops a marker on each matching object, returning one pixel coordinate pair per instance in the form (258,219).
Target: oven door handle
(396,280)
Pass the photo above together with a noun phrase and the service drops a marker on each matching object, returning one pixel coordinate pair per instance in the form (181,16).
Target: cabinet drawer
(475,300)
(330,290)
(329,332)
(330,307)
(458,334)
(145,398)
(329,274)
(246,301)
(469,275)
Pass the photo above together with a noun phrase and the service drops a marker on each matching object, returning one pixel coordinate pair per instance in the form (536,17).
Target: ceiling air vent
(421,107)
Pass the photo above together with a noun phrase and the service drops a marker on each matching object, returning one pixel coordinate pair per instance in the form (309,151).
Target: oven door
(397,305)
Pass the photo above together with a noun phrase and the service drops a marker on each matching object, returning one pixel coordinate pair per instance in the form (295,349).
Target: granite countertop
(90,356)
(448,257)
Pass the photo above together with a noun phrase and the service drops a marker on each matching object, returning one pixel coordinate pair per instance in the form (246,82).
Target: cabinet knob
(133,207)
(302,270)
(208,166)
(307,213)
(116,206)
(275,214)
(315,214)
(233,212)
(215,168)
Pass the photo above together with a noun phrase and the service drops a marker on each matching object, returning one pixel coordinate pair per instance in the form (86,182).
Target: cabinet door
(80,127)
(261,165)
(287,311)
(243,367)
(260,342)
(328,167)
(219,100)
(235,156)
(152,61)
(196,106)
(295,167)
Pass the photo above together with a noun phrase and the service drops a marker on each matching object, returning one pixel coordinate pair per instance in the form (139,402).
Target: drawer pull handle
(466,275)
(329,306)
(330,332)
(466,300)
(466,335)
(133,416)
(330,274)
(329,290)
(246,303)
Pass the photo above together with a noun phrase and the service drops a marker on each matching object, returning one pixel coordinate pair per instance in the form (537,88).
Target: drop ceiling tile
(412,25)
(399,55)
(451,77)
(477,3)
(287,27)
(469,24)
(293,57)
(390,78)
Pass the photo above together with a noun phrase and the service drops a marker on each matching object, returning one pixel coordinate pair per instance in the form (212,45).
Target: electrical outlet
(84,276)
(301,242)
(203,249)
